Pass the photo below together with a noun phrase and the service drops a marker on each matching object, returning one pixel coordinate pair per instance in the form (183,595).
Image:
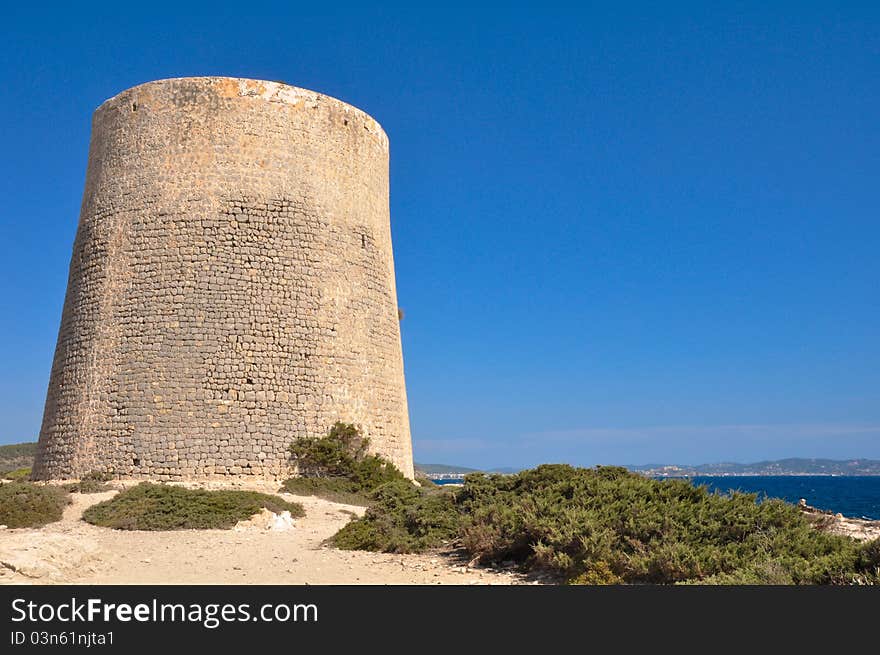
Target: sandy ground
(71,551)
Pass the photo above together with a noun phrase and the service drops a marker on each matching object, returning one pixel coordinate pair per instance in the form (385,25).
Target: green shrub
(91,483)
(401,519)
(28,505)
(338,467)
(763,572)
(335,455)
(585,526)
(165,507)
(337,490)
(607,525)
(19,475)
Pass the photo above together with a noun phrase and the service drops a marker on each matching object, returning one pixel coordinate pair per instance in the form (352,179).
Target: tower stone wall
(231,286)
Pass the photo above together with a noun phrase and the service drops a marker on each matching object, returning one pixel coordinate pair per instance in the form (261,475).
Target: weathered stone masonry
(231,286)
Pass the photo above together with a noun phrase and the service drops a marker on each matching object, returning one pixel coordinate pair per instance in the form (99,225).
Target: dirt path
(71,551)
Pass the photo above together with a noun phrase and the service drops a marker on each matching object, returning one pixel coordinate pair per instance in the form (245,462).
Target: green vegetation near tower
(603,525)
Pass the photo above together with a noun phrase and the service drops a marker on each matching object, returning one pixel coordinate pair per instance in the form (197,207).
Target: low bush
(585,526)
(18,475)
(607,525)
(28,505)
(338,467)
(91,483)
(402,518)
(337,490)
(150,506)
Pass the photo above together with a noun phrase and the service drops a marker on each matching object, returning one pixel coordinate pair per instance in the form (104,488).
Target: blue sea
(852,496)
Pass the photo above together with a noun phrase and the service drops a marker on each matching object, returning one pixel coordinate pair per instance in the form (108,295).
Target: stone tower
(231,286)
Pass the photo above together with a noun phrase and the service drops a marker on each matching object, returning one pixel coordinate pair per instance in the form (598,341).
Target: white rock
(281,522)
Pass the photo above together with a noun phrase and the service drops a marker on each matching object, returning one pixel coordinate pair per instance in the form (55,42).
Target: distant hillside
(16,456)
(790,466)
(447,469)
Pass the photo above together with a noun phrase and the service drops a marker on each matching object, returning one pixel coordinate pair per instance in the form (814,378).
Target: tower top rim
(257,89)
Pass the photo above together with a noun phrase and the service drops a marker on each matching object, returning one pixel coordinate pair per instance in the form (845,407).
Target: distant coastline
(793,466)
(14,456)
(759,475)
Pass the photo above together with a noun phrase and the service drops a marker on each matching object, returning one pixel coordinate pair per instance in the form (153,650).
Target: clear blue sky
(622,234)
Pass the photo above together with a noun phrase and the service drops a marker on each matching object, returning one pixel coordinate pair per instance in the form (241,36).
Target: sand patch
(267,549)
